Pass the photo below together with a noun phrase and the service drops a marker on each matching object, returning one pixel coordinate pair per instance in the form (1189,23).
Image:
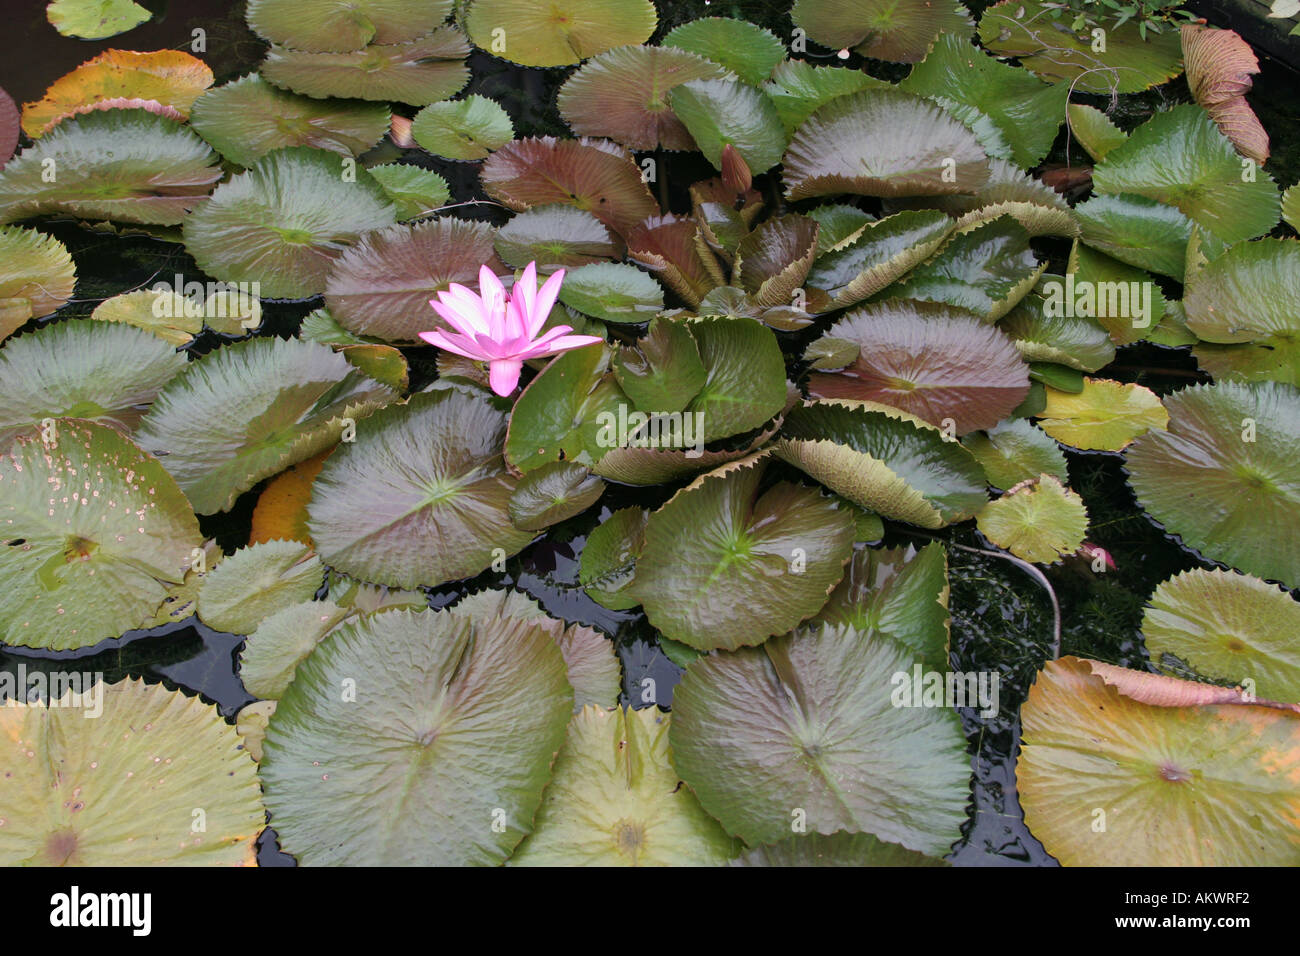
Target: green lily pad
(589,661)
(1026,111)
(798,89)
(1203,785)
(941,364)
(420,497)
(663,371)
(841,225)
(1142,232)
(82,369)
(615,800)
(553,493)
(1015,451)
(323,26)
(623,94)
(801,733)
(883,143)
(612,291)
(429,758)
(559,414)
(465,129)
(284,221)
(282,640)
(37,276)
(555,237)
(607,567)
(1248,293)
(254,582)
(727,112)
(563,32)
(95,19)
(127,789)
(837,849)
(170,320)
(747,50)
(416,192)
(1094,130)
(1008,191)
(1105,416)
(1180,158)
(1122,299)
(1039,520)
(1291,207)
(419,71)
(1053,51)
(381,287)
(775,258)
(1222,477)
(1227,625)
(881,461)
(897,30)
(881,252)
(94,532)
(724,566)
(124,165)
(279,402)
(1078,342)
(745,384)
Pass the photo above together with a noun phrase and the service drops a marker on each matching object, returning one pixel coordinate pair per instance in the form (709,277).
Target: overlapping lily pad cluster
(873,314)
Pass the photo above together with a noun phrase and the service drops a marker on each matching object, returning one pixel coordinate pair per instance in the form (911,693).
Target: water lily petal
(493,294)
(460,318)
(455,343)
(545,300)
(562,343)
(504,375)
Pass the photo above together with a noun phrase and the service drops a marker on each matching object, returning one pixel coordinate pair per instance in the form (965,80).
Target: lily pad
(883,143)
(1249,293)
(1094,130)
(561,412)
(281,510)
(615,800)
(95,19)
(1105,416)
(896,30)
(726,112)
(941,364)
(553,493)
(560,33)
(1042,335)
(381,287)
(1222,477)
(555,237)
(802,731)
(837,849)
(94,532)
(1136,230)
(324,26)
(1039,520)
(254,582)
(123,789)
(747,50)
(1180,158)
(1015,451)
(612,291)
(285,221)
(125,165)
(1220,65)
(1227,625)
(82,369)
(1179,786)
(420,497)
(282,640)
(416,192)
(624,95)
(169,320)
(798,89)
(465,129)
(265,403)
(607,569)
(745,383)
(1122,299)
(724,566)
(248,118)
(775,258)
(880,253)
(674,249)
(420,71)
(37,276)
(430,759)
(663,371)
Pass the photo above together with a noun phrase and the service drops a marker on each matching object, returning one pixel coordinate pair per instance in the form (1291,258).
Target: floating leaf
(95,19)
(880,253)
(1043,335)
(879,460)
(554,237)
(37,276)
(607,569)
(1094,130)
(323,26)
(1227,625)
(94,531)
(282,641)
(416,192)
(9,127)
(1222,477)
(551,494)
(746,50)
(1142,232)
(168,77)
(1105,416)
(941,364)
(614,800)
(126,165)
(1122,299)
(1291,207)
(265,403)
(663,371)
(1051,49)
(563,32)
(82,369)
(623,94)
(724,566)
(798,89)
(745,386)
(1180,158)
(807,721)
(1008,192)
(254,582)
(462,129)
(837,849)
(434,743)
(420,497)
(166,318)
(1181,786)
(896,30)
(99,794)
(672,248)
(248,118)
(281,510)
(883,143)
(1220,65)
(419,71)
(1248,293)
(1039,520)
(559,414)
(1016,451)
(726,112)
(612,291)
(382,286)
(285,221)
(775,258)
(595,176)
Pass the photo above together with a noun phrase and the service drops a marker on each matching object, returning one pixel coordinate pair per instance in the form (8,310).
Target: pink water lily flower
(503,329)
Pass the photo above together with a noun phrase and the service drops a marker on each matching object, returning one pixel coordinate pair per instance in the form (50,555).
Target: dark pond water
(1001,618)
